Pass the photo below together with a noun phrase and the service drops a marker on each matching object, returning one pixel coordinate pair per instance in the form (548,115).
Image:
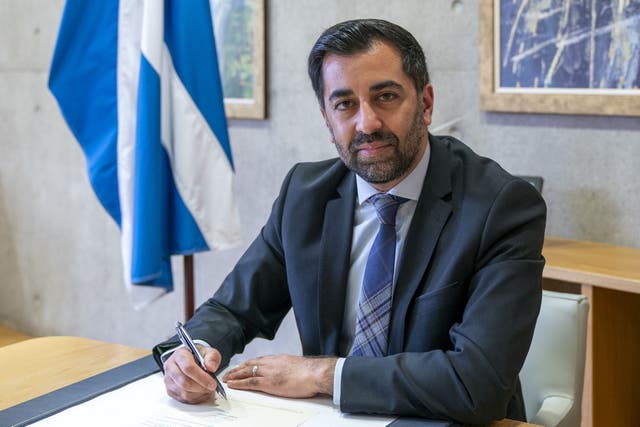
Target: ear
(427,100)
(324,116)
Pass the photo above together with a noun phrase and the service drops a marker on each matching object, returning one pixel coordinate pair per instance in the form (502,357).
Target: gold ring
(254,370)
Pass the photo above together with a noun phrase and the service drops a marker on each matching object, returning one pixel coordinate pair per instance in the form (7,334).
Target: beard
(379,171)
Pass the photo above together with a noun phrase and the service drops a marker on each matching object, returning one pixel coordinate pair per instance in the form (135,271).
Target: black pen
(188,342)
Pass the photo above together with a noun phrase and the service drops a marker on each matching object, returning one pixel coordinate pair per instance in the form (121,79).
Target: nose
(367,119)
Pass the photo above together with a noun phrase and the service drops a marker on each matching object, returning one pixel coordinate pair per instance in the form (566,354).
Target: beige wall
(60,270)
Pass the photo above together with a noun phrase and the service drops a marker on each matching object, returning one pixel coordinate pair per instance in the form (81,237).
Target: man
(446,332)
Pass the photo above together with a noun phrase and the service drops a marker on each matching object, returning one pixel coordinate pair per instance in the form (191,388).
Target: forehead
(362,70)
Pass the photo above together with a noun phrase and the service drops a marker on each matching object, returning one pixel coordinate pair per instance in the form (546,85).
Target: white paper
(145,403)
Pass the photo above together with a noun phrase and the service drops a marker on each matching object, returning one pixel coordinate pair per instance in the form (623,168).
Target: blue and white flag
(138,83)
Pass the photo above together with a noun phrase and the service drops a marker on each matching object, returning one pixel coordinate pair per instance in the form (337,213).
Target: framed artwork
(240,33)
(558,56)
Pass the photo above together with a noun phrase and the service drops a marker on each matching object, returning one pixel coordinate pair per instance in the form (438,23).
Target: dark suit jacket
(465,304)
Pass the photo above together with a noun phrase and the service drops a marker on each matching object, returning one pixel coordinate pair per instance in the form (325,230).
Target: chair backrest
(553,372)
(536,181)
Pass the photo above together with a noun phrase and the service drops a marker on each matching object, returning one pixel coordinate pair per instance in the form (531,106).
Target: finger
(243,371)
(251,383)
(212,358)
(239,372)
(258,361)
(182,395)
(187,372)
(182,381)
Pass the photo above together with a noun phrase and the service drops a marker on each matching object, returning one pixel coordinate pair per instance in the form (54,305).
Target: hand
(285,375)
(185,381)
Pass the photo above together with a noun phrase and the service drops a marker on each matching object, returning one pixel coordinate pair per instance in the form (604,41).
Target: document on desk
(145,403)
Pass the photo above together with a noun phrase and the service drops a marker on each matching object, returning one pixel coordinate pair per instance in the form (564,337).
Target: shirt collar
(409,188)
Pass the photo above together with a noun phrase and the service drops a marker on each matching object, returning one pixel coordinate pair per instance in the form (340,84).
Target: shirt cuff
(337,381)
(164,356)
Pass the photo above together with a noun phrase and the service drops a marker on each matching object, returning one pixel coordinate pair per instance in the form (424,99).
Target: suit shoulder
(316,176)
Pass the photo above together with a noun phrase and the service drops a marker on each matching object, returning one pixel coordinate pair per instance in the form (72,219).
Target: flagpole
(188,287)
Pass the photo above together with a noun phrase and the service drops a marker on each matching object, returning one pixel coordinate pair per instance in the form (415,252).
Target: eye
(387,96)
(343,105)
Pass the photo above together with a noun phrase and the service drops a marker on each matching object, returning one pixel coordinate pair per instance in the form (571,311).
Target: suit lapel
(335,256)
(429,218)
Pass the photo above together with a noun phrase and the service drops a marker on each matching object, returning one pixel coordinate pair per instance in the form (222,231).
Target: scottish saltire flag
(138,83)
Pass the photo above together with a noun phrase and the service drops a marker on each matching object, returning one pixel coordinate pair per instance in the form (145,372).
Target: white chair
(553,372)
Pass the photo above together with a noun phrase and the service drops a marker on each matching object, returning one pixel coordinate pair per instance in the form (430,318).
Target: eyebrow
(339,93)
(385,85)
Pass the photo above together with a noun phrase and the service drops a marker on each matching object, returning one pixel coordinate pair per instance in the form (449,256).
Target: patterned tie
(374,305)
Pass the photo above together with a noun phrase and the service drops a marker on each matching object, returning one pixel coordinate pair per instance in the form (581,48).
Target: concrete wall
(60,270)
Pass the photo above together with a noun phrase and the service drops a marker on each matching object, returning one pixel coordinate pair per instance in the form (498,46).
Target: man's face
(377,121)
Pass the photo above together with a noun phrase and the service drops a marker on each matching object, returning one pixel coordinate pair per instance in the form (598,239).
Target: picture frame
(239,27)
(534,100)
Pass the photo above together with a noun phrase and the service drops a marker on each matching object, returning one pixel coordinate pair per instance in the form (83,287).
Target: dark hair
(358,35)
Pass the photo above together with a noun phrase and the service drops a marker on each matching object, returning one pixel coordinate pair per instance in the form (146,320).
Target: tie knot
(386,207)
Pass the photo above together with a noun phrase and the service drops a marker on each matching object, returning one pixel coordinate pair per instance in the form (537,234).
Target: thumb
(212,358)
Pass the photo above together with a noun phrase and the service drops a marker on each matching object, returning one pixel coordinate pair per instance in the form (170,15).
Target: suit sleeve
(475,380)
(252,300)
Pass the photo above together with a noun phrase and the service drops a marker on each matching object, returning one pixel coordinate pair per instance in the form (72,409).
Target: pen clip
(185,338)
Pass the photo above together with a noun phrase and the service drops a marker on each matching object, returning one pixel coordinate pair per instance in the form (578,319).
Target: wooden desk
(37,366)
(610,277)
(9,336)
(60,361)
